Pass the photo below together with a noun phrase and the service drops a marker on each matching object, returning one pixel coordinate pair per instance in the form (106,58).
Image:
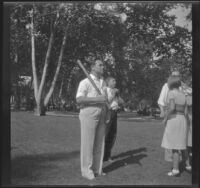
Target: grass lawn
(46,151)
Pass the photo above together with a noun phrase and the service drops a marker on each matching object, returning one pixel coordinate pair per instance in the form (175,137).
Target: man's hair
(175,73)
(93,63)
(174,82)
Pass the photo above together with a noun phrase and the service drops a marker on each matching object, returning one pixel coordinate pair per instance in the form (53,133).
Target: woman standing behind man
(175,134)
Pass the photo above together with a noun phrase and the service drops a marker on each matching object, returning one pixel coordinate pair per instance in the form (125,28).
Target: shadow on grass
(32,167)
(142,120)
(129,157)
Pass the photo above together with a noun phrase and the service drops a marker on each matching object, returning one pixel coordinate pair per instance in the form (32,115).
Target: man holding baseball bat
(90,95)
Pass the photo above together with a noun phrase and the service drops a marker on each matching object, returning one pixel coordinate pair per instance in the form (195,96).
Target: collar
(94,77)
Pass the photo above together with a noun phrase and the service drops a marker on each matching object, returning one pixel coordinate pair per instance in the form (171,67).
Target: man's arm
(162,100)
(162,111)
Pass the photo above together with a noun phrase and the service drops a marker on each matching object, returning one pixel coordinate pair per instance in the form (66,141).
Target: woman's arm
(186,114)
(170,110)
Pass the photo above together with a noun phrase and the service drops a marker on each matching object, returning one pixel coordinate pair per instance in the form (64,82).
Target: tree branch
(57,70)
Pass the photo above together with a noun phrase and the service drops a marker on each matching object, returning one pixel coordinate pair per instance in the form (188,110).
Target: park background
(140,44)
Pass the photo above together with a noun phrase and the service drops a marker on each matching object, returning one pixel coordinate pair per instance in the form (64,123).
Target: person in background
(92,122)
(162,100)
(111,131)
(188,152)
(175,133)
(162,103)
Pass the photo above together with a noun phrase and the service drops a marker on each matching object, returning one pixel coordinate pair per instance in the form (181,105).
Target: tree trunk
(17,98)
(48,96)
(38,89)
(61,87)
(40,110)
(34,71)
(46,64)
(69,81)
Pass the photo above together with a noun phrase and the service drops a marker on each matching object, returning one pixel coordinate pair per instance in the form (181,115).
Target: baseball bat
(96,88)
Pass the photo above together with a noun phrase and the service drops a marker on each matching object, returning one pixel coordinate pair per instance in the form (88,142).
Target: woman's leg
(175,159)
(187,160)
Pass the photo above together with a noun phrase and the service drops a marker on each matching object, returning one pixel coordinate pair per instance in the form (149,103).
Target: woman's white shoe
(188,168)
(174,172)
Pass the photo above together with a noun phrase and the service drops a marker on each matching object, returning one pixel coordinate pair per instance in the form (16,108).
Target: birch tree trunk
(41,100)
(34,71)
(38,89)
(61,87)
(48,96)
(17,88)
(33,61)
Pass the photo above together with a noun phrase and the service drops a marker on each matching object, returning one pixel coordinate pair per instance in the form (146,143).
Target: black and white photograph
(100,93)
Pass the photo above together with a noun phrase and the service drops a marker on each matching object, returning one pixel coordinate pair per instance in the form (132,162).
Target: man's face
(176,73)
(112,83)
(98,67)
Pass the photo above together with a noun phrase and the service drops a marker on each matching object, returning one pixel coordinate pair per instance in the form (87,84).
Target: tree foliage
(139,43)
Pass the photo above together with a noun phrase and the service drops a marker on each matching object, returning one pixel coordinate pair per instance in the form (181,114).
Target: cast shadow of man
(27,167)
(126,158)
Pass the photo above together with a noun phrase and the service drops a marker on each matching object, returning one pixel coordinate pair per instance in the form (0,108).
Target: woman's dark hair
(174,82)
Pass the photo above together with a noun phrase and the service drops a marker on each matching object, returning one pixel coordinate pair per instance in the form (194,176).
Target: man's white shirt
(162,100)
(86,89)
(112,99)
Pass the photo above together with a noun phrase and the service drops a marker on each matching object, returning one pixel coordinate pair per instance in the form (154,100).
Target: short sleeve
(110,94)
(163,95)
(82,89)
(189,100)
(171,95)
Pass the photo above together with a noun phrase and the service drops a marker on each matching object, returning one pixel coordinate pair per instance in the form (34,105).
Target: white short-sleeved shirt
(113,99)
(162,100)
(86,89)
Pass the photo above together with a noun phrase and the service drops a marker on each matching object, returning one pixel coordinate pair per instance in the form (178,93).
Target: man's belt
(92,105)
(179,112)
